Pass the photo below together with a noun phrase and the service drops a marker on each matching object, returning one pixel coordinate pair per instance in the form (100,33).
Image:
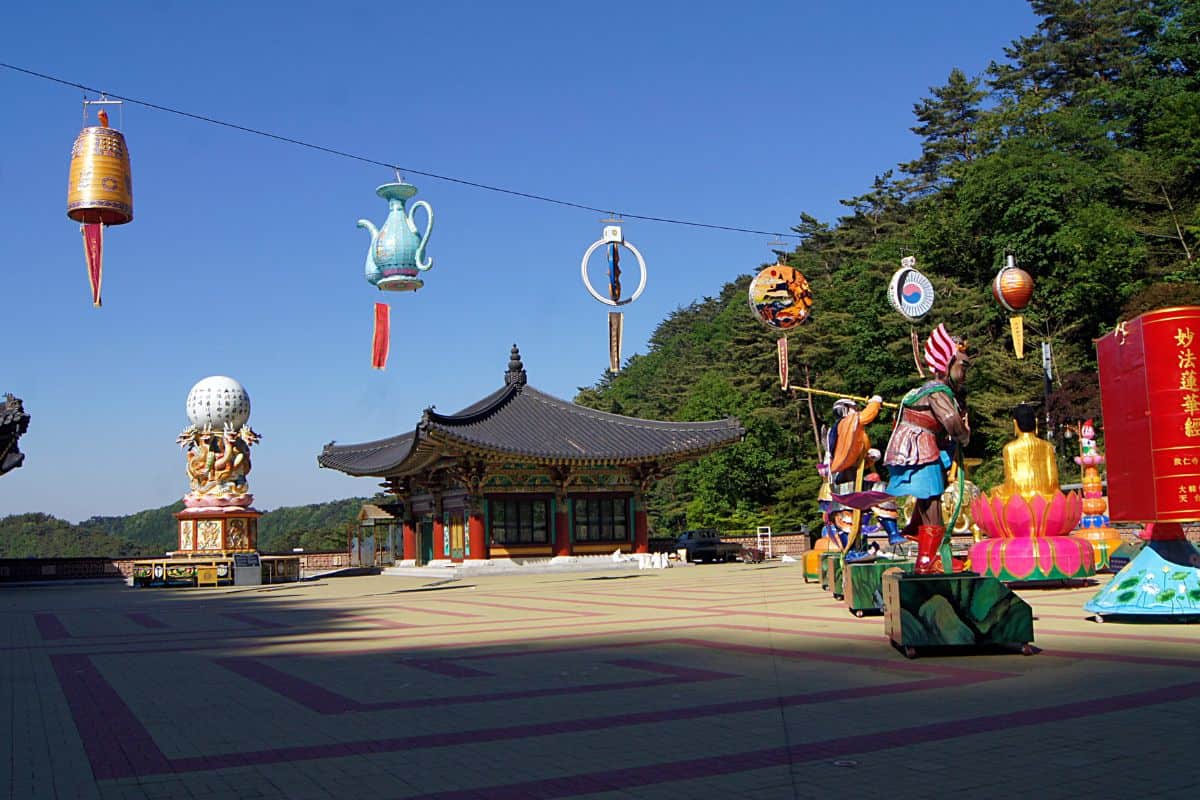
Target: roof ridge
(622,419)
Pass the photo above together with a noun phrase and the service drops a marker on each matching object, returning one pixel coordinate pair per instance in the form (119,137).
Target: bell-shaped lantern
(99,188)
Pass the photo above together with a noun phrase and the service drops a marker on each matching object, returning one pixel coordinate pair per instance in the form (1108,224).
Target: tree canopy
(1077,152)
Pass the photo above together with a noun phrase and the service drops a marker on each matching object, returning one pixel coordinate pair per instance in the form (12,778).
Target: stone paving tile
(724,681)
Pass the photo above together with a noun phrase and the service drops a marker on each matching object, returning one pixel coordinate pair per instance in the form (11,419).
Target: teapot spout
(373,272)
(370,226)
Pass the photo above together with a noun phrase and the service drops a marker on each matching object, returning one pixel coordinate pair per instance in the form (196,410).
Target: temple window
(518,521)
(601,519)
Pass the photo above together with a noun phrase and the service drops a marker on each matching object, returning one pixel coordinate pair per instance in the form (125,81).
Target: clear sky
(244,260)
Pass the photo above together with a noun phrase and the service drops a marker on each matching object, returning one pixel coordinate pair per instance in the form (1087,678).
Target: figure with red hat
(931,423)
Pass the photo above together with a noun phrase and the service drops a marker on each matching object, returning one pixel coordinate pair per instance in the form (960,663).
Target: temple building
(522,474)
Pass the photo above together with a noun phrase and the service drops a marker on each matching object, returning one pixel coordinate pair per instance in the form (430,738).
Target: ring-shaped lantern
(612,235)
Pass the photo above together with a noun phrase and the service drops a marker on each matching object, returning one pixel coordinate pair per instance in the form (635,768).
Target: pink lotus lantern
(1027,538)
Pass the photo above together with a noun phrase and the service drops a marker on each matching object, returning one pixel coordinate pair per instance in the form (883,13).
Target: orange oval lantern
(1013,289)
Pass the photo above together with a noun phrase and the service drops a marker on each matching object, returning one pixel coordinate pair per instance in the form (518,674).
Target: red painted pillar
(641,527)
(409,541)
(477,535)
(562,533)
(439,537)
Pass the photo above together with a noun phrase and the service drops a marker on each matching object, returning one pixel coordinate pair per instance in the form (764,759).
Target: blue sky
(244,260)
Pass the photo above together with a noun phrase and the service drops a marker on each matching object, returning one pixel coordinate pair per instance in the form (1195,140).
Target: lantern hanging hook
(104,100)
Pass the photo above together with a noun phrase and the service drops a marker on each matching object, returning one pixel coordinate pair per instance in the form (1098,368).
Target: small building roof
(520,423)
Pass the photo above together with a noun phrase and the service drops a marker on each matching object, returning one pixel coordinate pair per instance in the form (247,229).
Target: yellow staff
(838,395)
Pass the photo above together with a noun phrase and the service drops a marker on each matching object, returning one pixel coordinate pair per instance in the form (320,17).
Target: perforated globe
(218,400)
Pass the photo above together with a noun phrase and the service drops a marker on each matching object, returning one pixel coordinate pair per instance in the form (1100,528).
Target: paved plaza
(721,681)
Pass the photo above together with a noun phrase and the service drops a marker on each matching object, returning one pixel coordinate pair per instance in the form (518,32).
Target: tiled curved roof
(523,422)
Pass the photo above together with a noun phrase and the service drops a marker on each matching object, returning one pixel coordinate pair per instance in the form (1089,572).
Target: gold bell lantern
(100,187)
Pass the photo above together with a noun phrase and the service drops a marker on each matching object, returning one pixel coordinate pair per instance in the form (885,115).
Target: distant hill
(319,526)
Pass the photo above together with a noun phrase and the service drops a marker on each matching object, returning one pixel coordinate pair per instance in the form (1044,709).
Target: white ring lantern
(612,234)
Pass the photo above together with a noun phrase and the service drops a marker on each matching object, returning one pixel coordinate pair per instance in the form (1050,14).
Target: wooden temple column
(476,532)
(562,531)
(439,529)
(641,525)
(409,538)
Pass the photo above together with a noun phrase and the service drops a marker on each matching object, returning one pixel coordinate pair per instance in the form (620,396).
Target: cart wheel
(1027,649)
(858,612)
(910,651)
(1099,618)
(839,597)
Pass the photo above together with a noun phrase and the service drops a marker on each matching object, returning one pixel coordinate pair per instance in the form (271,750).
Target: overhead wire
(409,170)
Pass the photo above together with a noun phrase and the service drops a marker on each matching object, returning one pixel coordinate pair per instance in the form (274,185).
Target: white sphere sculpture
(216,401)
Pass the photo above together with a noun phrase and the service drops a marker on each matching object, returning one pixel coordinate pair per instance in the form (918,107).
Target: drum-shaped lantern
(1012,287)
(100,187)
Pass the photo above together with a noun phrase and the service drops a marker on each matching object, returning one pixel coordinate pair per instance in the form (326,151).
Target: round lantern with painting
(1013,289)
(781,299)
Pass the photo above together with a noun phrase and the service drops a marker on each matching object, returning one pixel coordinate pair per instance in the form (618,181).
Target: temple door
(424,542)
(457,525)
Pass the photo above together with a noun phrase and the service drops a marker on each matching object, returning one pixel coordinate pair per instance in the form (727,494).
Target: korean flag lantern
(1013,289)
(911,294)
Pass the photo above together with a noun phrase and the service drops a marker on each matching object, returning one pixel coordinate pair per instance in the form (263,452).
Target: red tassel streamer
(383,335)
(782,348)
(93,250)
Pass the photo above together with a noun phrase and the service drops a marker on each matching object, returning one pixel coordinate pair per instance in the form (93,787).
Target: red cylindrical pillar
(439,537)
(641,528)
(562,533)
(409,541)
(477,535)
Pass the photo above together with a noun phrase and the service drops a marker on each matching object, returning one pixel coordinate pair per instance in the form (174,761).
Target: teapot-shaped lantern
(397,255)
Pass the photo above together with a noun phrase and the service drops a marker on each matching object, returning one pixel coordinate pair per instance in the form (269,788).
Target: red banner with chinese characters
(93,250)
(1150,390)
(383,336)
(781,346)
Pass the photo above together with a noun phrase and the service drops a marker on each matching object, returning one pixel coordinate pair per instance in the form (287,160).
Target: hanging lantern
(613,239)
(780,298)
(1013,289)
(912,295)
(99,188)
(396,257)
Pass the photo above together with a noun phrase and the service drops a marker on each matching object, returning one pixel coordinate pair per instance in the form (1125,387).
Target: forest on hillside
(314,527)
(1077,151)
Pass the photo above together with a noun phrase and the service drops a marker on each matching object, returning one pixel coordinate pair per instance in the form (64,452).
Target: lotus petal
(1000,516)
(1018,517)
(1068,556)
(981,512)
(1018,558)
(1037,509)
(978,554)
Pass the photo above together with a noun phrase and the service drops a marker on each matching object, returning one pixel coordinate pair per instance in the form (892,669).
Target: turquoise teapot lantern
(397,255)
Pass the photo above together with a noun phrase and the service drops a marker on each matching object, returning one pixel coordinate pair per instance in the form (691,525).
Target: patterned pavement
(721,681)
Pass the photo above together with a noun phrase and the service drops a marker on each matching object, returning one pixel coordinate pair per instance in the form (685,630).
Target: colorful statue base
(831,572)
(1163,580)
(959,610)
(862,584)
(211,531)
(812,559)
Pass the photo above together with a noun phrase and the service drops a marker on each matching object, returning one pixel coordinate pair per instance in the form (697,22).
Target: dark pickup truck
(705,545)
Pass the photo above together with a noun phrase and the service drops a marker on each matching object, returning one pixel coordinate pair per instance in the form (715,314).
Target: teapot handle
(423,263)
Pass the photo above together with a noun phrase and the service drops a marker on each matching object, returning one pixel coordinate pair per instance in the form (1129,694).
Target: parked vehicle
(704,544)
